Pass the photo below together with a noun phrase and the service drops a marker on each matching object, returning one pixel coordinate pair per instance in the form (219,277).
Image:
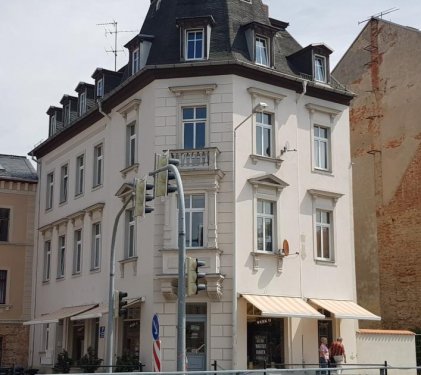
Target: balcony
(198,159)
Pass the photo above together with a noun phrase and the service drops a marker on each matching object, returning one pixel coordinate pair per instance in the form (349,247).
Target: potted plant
(90,361)
(128,363)
(63,364)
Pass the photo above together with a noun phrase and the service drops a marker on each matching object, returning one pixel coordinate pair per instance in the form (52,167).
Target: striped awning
(96,312)
(345,309)
(279,307)
(65,312)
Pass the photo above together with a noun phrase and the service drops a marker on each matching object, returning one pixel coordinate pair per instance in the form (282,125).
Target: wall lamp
(259,107)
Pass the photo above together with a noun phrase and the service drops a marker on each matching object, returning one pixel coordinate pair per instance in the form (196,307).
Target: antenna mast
(114,50)
(379,15)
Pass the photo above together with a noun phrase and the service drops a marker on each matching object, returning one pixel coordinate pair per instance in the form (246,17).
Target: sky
(49,46)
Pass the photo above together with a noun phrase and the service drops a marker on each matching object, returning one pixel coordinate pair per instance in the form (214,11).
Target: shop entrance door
(196,342)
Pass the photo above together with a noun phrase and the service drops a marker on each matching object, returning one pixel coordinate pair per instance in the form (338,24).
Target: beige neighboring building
(18,184)
(382,68)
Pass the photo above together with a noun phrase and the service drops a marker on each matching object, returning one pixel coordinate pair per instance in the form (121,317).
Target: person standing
(323,355)
(337,352)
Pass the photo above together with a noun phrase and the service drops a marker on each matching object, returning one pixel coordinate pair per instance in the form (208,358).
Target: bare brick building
(382,68)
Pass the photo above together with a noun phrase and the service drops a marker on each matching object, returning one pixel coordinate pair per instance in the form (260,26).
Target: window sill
(134,167)
(323,172)
(255,158)
(79,195)
(97,187)
(124,263)
(5,307)
(44,282)
(95,270)
(59,278)
(76,274)
(324,262)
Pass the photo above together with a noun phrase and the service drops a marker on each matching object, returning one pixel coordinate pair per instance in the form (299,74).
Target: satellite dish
(285,247)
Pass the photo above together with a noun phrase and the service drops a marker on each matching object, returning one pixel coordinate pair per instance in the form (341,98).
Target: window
(80,174)
(130,234)
(46,336)
(195,210)
(96,246)
(194,127)
(50,190)
(265,225)
(82,103)
(77,255)
(47,261)
(98,165)
(4,224)
(131,144)
(3,286)
(61,256)
(194,44)
(64,183)
(67,117)
(324,248)
(321,147)
(53,125)
(100,88)
(264,134)
(135,60)
(262,57)
(320,68)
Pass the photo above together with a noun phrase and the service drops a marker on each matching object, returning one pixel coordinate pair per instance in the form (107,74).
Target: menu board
(260,347)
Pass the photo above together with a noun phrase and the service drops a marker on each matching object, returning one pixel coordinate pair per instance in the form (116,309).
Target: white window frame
(194,31)
(53,124)
(318,144)
(195,121)
(46,337)
(131,144)
(50,191)
(100,88)
(66,111)
(264,216)
(262,52)
(98,165)
(82,103)
(80,174)
(61,258)
(320,69)
(264,126)
(130,238)
(322,225)
(135,60)
(96,246)
(47,261)
(64,183)
(189,213)
(77,251)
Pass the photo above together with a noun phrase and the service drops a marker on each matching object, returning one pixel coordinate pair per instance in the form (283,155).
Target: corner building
(262,134)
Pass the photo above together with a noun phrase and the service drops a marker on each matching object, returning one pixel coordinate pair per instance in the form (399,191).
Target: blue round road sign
(155,327)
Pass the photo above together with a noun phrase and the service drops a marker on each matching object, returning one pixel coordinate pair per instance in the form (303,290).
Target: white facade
(263,166)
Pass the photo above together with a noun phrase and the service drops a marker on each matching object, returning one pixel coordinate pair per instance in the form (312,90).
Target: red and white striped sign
(157,356)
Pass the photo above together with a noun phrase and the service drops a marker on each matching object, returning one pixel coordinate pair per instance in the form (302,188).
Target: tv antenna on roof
(114,50)
(379,15)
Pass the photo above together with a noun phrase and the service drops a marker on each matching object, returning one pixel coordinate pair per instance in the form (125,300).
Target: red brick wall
(15,344)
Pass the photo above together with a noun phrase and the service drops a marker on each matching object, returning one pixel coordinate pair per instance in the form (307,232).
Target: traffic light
(162,187)
(122,311)
(194,276)
(142,196)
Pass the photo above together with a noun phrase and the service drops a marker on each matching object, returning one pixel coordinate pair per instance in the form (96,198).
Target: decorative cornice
(255,92)
(180,90)
(315,193)
(319,108)
(133,105)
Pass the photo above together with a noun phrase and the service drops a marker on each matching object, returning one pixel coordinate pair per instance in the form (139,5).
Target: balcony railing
(196,159)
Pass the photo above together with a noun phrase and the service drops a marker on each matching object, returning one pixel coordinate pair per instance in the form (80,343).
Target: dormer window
(67,114)
(262,57)
(260,43)
(320,68)
(194,44)
(100,88)
(53,124)
(82,103)
(135,60)
(195,36)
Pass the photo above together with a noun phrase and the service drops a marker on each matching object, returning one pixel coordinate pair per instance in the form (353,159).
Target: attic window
(320,68)
(100,88)
(135,60)
(262,57)
(67,114)
(82,103)
(195,37)
(53,125)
